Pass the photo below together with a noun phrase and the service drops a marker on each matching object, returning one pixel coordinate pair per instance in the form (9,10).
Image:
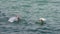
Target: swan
(42,20)
(13,19)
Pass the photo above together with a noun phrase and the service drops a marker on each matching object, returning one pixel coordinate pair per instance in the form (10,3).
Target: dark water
(30,11)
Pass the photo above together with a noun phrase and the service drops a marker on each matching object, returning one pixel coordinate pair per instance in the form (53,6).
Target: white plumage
(12,19)
(42,19)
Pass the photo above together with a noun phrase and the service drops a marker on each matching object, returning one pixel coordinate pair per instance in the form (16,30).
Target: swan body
(42,19)
(12,19)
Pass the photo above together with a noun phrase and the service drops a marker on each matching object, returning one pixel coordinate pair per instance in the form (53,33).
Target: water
(30,11)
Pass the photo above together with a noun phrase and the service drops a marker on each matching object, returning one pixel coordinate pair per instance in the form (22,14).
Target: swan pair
(16,18)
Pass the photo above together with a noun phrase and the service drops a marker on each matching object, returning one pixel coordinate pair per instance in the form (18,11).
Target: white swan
(42,19)
(12,19)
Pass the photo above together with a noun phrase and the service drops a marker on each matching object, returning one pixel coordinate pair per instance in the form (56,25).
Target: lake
(30,11)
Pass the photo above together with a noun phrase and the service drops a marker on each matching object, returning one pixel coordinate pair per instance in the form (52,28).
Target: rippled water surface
(30,11)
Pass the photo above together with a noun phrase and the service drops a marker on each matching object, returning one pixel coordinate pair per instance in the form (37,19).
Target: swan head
(17,16)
